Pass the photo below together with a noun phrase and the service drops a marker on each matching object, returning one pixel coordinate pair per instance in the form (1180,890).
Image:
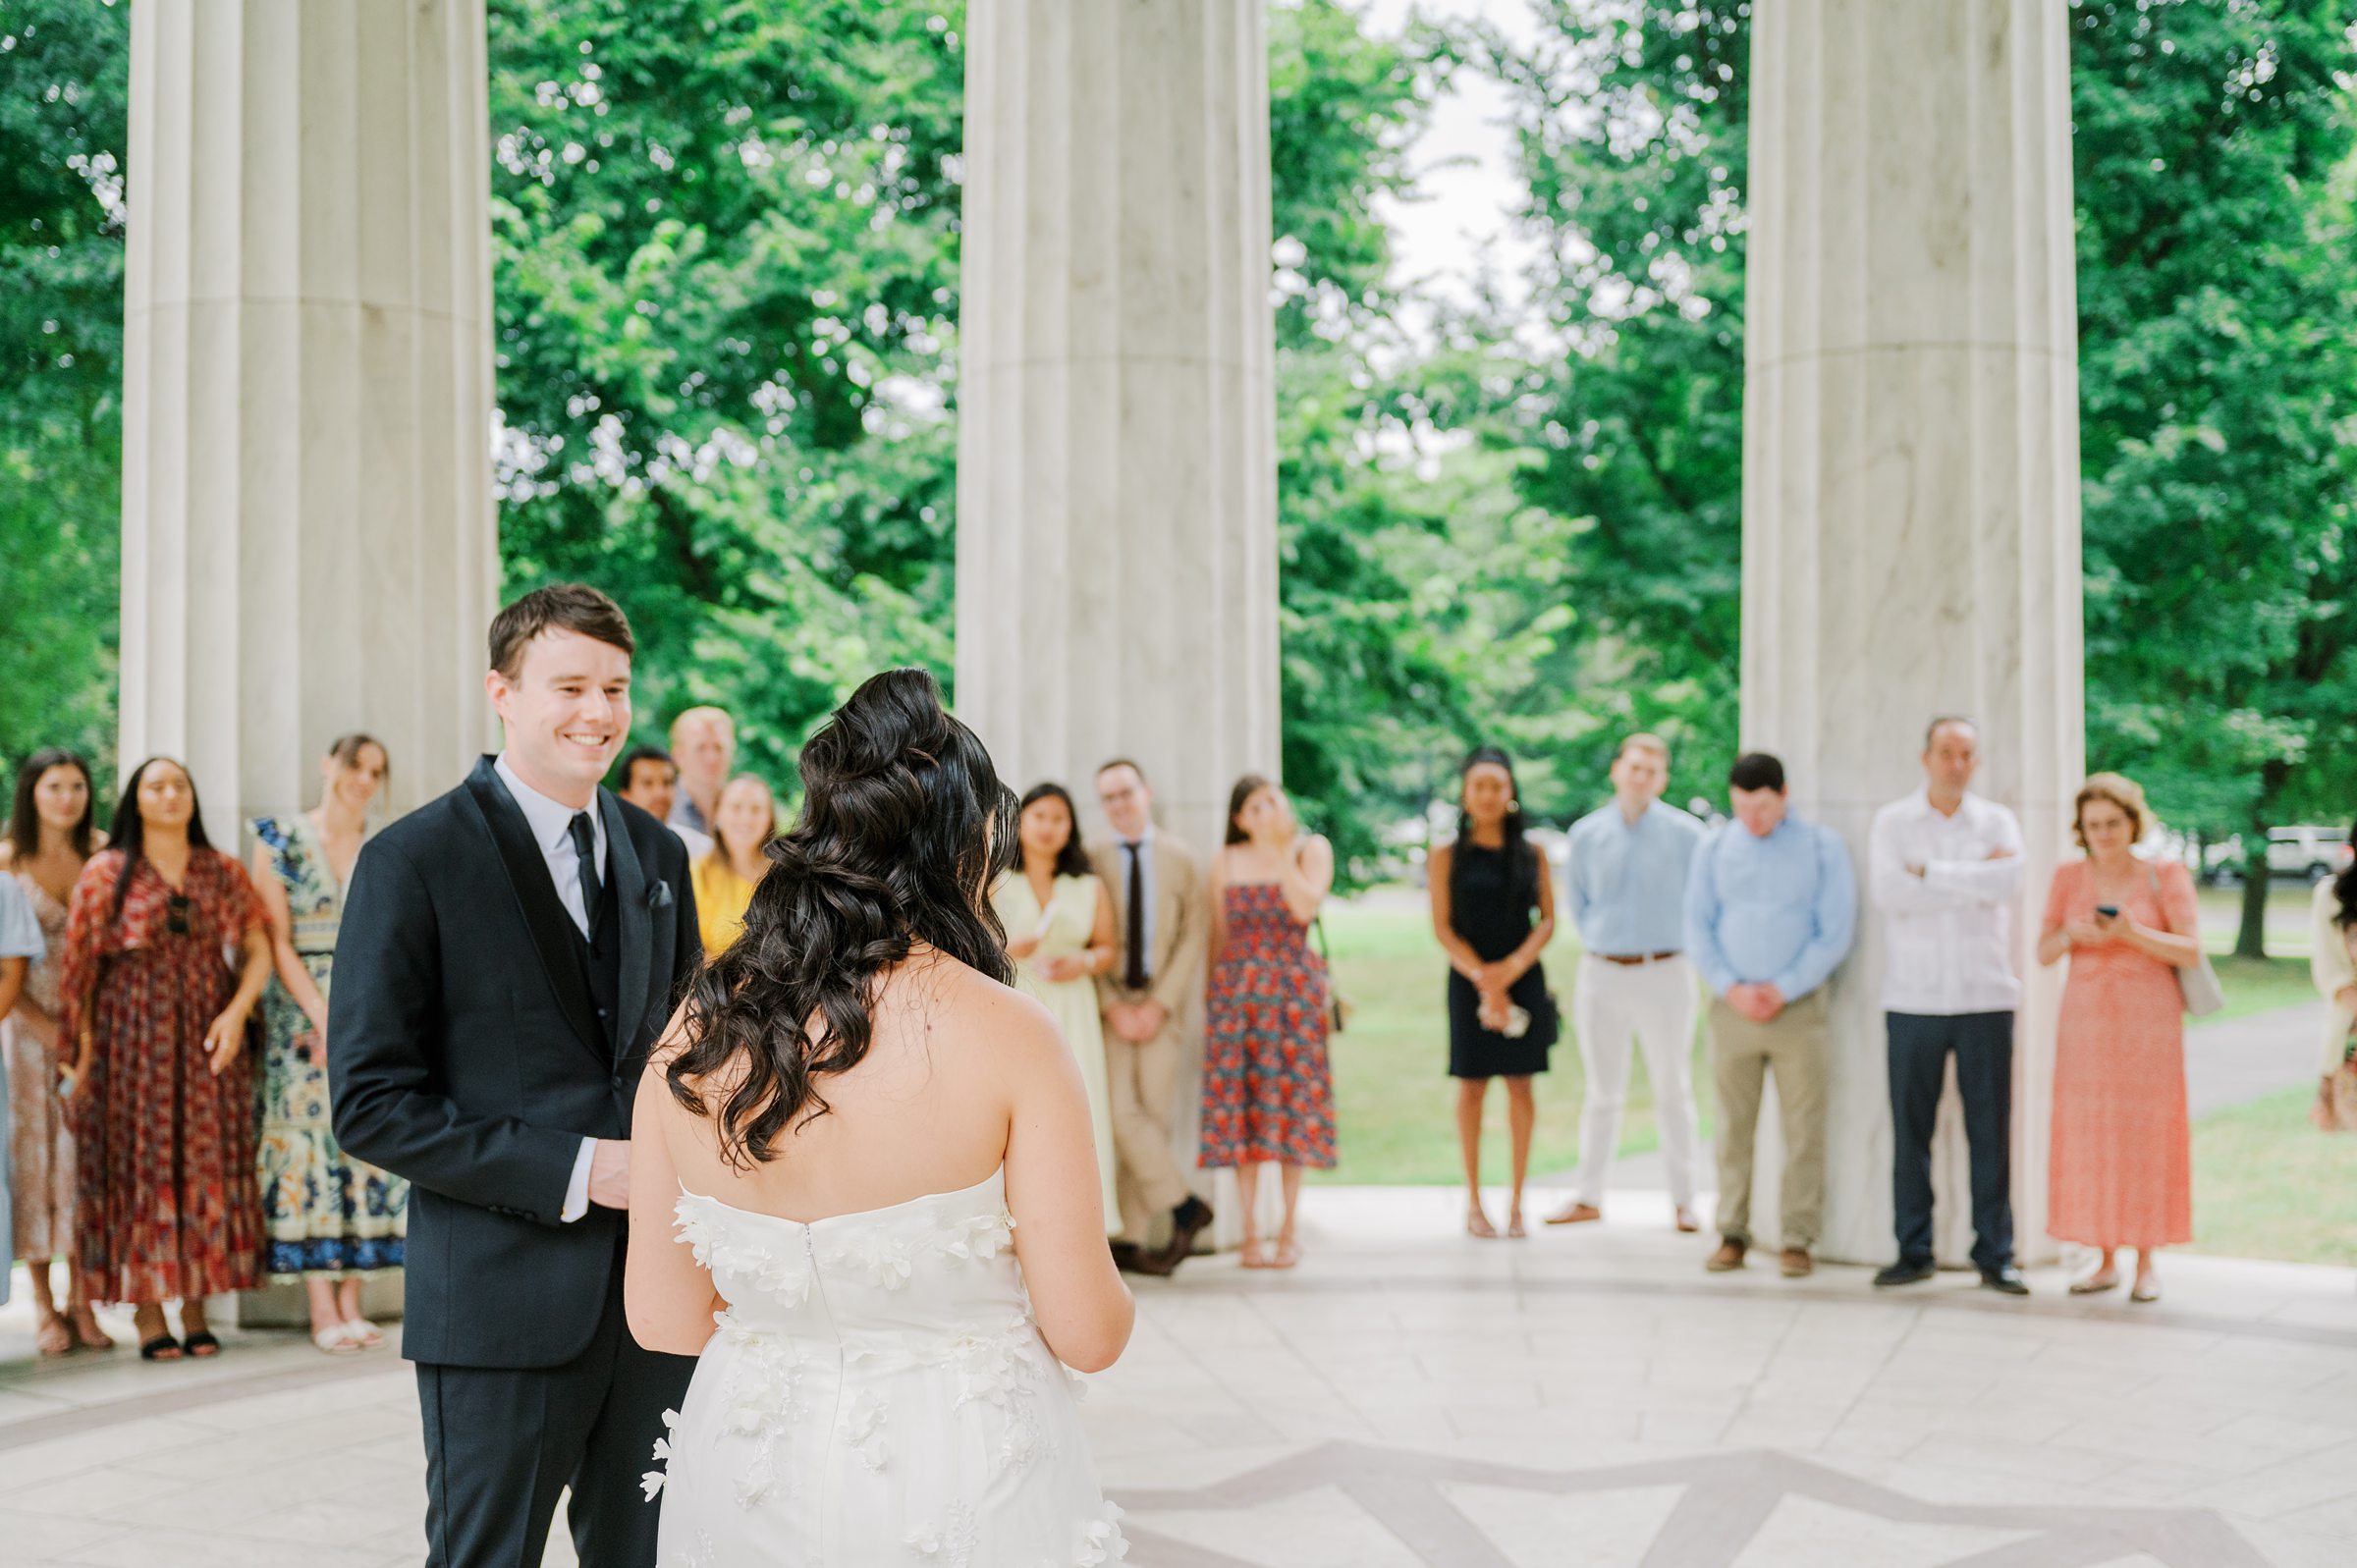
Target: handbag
(2197,982)
(1337,1006)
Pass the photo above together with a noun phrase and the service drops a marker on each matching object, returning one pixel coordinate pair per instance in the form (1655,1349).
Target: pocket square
(658,895)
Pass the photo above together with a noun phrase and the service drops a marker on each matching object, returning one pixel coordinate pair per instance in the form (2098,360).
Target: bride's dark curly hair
(905,827)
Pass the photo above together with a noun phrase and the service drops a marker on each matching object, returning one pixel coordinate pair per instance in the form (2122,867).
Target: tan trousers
(1792,1046)
(1143,1080)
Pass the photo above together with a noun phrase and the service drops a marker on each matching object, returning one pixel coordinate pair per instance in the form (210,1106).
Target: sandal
(1289,1253)
(2147,1290)
(203,1345)
(53,1337)
(163,1347)
(336,1339)
(363,1335)
(1477,1223)
(2095,1284)
(1514,1225)
(1256,1255)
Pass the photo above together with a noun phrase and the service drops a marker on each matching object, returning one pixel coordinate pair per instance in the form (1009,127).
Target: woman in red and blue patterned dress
(1268,1095)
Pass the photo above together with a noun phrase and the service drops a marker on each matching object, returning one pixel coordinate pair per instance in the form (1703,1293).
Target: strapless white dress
(877,1396)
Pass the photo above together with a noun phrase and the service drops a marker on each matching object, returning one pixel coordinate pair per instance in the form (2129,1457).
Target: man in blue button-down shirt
(1771,906)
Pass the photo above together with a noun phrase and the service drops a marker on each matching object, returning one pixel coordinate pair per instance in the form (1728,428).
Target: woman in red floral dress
(163,1099)
(1268,1096)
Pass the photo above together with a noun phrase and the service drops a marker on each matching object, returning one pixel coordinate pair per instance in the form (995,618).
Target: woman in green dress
(328,1219)
(1060,933)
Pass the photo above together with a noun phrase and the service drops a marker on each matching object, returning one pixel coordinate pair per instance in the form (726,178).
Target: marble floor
(1410,1396)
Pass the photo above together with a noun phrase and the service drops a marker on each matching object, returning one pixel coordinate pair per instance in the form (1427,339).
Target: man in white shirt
(1944,867)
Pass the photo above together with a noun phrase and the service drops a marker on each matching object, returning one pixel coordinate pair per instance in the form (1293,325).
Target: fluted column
(1911,483)
(1117,479)
(308,526)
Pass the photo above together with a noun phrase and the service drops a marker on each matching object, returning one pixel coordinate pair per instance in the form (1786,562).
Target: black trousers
(501,1443)
(1983,1045)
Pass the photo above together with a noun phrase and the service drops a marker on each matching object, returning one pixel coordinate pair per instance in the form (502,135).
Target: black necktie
(1133,966)
(585,844)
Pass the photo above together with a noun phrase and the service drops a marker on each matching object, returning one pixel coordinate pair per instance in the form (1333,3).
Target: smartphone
(2109,911)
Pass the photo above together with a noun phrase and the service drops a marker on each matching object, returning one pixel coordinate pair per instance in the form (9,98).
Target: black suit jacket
(464,1055)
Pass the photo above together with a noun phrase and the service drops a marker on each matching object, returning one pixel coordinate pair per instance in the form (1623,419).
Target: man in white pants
(1629,881)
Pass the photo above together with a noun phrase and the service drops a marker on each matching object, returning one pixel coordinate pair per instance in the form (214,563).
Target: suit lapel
(552,929)
(1169,913)
(638,924)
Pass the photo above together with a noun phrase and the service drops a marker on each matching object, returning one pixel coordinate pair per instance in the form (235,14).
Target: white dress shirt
(1949,931)
(551,822)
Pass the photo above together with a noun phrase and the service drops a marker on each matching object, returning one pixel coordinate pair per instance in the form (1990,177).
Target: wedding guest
(2333,965)
(1060,933)
(328,1221)
(650,781)
(744,821)
(1268,1093)
(1630,861)
(704,742)
(167,1206)
(2121,1156)
(1771,907)
(20,944)
(1493,909)
(1944,865)
(1160,923)
(50,839)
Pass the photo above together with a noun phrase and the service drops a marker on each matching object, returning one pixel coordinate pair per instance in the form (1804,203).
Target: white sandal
(363,1335)
(336,1339)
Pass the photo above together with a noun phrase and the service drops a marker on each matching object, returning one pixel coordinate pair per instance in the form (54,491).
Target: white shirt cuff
(576,1191)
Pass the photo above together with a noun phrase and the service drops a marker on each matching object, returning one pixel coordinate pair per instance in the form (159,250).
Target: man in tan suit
(1160,923)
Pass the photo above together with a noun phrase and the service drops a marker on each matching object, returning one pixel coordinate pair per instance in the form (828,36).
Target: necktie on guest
(593,892)
(1134,965)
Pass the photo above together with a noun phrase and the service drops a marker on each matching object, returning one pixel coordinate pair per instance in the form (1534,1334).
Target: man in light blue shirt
(1771,907)
(1630,861)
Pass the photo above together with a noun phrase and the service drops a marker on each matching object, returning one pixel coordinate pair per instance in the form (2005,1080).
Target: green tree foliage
(2218,360)
(63,104)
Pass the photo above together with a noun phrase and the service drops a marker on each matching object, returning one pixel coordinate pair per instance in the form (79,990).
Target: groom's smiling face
(566,712)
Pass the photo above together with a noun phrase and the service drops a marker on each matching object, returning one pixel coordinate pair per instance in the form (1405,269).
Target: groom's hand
(610,1173)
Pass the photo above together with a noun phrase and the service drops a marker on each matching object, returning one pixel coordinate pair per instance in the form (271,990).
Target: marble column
(1117,473)
(308,526)
(1911,484)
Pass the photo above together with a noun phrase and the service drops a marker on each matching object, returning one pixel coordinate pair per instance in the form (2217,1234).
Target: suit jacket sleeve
(1182,977)
(688,949)
(389,1110)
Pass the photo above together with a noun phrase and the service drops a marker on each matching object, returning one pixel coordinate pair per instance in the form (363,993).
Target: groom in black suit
(509,955)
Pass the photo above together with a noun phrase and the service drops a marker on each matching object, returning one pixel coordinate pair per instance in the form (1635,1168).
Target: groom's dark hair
(566,606)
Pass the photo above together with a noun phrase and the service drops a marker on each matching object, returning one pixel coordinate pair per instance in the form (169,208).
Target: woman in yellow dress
(742,824)
(1060,933)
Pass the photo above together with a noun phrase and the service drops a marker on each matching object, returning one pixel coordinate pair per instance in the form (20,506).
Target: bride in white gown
(864,1194)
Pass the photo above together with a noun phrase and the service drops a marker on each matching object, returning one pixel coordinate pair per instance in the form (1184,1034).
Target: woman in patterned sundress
(1268,1095)
(328,1219)
(162,1091)
(50,839)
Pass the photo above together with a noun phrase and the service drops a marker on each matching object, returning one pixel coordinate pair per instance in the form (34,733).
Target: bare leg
(347,1302)
(2148,1283)
(1247,1190)
(77,1307)
(49,1330)
(1471,1092)
(320,1291)
(192,1324)
(147,1318)
(1521,1117)
(1289,1251)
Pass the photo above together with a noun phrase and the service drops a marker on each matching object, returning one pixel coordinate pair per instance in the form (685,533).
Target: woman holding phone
(2121,1162)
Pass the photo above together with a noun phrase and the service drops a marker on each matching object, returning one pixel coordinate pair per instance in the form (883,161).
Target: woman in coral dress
(2122,1160)
(163,1100)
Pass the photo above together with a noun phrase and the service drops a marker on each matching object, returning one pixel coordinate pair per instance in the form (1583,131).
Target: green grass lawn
(2266,1185)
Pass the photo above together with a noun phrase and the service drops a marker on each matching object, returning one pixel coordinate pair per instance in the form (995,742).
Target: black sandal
(203,1345)
(163,1347)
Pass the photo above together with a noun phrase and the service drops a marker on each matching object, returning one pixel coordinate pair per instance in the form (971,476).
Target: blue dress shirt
(1779,909)
(1628,880)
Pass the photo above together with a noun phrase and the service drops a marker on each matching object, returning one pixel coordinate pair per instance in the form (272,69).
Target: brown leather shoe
(1132,1259)
(1728,1257)
(1187,1222)
(1798,1264)
(1575,1213)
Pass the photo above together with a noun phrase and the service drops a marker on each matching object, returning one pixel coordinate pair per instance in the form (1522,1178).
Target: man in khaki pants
(1160,924)
(1771,907)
